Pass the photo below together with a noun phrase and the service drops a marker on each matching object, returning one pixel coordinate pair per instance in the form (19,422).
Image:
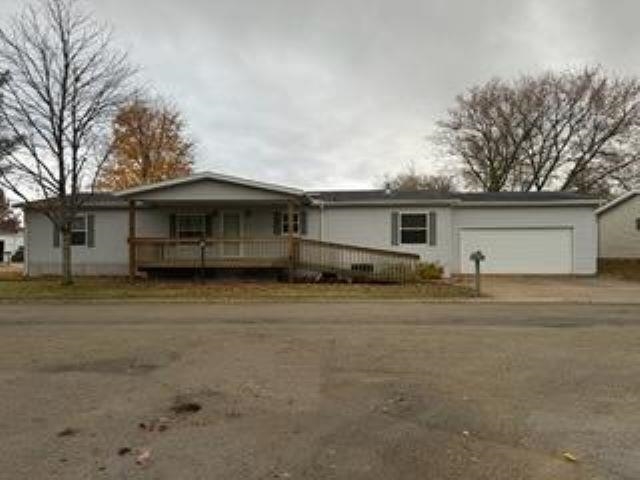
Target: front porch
(217,222)
(212,253)
(291,254)
(206,235)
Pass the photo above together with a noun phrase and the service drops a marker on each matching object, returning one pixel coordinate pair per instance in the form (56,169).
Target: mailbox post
(477,257)
(203,249)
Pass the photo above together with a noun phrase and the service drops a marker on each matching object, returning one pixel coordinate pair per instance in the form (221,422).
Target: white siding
(371,227)
(619,236)
(581,220)
(11,241)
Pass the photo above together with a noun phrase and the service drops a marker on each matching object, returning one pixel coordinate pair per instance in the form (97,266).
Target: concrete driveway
(561,289)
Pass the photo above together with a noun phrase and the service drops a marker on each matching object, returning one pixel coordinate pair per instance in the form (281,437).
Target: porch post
(290,246)
(132,236)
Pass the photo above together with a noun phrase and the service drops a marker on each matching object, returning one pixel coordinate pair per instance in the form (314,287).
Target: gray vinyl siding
(209,190)
(581,220)
(371,227)
(110,256)
(618,235)
(368,226)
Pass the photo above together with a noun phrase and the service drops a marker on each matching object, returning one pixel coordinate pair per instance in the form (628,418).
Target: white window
(413,228)
(79,231)
(296,223)
(191,226)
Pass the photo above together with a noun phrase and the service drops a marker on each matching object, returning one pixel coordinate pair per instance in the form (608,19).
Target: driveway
(322,392)
(561,289)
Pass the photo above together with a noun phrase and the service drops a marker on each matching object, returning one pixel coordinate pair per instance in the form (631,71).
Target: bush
(429,271)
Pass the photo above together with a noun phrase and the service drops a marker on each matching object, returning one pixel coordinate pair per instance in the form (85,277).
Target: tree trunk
(67,278)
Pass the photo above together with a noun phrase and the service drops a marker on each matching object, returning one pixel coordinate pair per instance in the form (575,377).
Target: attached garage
(519,250)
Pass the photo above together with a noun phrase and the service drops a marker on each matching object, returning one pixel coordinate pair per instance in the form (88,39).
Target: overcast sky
(336,93)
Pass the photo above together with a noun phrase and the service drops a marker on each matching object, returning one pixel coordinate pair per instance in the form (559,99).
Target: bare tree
(65,84)
(149,145)
(410,180)
(556,131)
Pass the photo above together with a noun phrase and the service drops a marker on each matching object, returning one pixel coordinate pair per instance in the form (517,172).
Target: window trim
(202,216)
(285,221)
(401,229)
(84,230)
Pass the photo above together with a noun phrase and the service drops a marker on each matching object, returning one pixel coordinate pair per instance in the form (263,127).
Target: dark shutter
(394,228)
(56,236)
(208,226)
(172,225)
(91,231)
(433,233)
(303,222)
(277,223)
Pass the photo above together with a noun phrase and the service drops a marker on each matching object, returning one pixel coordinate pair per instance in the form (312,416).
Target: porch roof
(176,189)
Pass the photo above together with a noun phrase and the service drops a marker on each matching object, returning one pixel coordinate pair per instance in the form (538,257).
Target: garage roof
(621,199)
(464,198)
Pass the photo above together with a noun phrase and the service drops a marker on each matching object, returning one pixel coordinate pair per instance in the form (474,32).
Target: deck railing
(211,252)
(300,254)
(356,262)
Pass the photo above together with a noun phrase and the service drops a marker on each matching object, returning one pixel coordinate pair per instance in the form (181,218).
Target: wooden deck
(276,252)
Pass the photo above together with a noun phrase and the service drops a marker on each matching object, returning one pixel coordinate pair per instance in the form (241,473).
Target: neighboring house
(619,228)
(219,221)
(10,241)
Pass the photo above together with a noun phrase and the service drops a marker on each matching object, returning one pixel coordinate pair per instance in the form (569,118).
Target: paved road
(343,391)
(552,315)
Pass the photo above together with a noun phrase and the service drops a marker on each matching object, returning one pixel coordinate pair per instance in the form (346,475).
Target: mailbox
(477,257)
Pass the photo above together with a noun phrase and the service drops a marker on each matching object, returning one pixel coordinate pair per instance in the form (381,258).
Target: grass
(18,289)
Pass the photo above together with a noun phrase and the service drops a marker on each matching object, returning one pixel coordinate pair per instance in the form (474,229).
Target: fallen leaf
(144,457)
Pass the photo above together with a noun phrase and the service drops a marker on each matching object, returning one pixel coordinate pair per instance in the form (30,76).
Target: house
(619,229)
(10,242)
(214,221)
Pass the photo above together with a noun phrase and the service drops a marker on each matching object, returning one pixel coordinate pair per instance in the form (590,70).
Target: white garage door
(522,250)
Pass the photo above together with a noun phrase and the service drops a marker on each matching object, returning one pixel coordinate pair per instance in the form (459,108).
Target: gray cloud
(335,93)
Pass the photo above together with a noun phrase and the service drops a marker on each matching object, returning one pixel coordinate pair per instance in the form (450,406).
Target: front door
(231,230)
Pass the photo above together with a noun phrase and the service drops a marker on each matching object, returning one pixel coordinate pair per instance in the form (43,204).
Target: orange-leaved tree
(149,145)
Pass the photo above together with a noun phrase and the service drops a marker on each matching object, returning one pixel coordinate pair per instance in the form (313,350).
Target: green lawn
(18,289)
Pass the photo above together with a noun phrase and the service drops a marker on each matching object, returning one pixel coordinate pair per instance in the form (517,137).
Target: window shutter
(433,234)
(56,236)
(172,225)
(277,223)
(208,225)
(394,228)
(303,222)
(91,231)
